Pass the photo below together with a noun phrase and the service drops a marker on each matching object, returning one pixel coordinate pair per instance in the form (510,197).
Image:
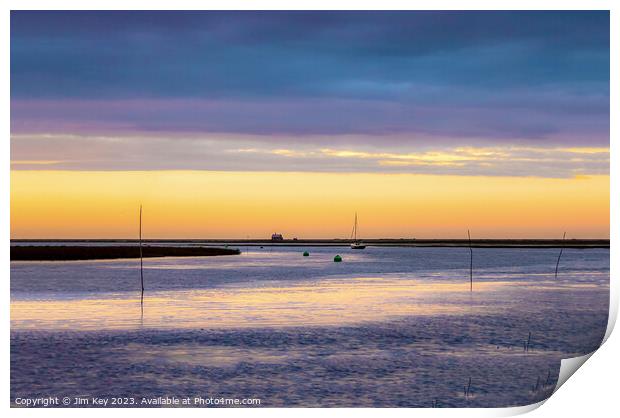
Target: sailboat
(356,245)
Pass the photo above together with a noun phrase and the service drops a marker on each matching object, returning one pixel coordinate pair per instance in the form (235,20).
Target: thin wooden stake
(471,265)
(560,255)
(529,338)
(141,265)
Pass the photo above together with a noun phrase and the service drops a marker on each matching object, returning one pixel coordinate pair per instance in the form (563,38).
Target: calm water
(386,327)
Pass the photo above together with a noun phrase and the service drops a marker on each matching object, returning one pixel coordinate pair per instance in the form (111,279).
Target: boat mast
(355,227)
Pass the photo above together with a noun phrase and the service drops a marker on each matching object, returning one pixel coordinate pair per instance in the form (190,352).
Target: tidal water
(386,327)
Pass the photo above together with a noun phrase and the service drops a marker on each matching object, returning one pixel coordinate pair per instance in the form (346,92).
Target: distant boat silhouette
(277,237)
(356,245)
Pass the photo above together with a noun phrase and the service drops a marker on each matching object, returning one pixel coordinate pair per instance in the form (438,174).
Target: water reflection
(325,302)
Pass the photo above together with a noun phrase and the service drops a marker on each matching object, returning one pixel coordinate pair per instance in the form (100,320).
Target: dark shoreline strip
(83,252)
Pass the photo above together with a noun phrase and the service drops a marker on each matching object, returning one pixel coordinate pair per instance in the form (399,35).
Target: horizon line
(286,240)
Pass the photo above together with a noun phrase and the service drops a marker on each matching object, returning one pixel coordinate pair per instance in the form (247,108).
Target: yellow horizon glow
(212,204)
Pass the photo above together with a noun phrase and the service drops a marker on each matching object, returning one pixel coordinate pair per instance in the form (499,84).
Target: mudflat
(83,252)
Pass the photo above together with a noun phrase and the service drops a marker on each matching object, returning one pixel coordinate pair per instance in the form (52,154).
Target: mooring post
(141,265)
(471,264)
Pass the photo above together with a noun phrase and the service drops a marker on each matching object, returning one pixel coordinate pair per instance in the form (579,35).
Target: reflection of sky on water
(278,287)
(82,279)
(327,302)
(387,327)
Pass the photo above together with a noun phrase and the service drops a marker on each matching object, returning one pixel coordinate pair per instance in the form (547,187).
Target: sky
(426,123)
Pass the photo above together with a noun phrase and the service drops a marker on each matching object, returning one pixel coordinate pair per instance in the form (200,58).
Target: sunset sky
(241,124)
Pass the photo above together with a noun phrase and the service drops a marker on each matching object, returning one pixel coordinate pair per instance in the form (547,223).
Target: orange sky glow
(219,204)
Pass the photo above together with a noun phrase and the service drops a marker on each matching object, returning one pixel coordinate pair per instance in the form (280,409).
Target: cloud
(408,90)
(75,152)
(562,117)
(496,74)
(298,54)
